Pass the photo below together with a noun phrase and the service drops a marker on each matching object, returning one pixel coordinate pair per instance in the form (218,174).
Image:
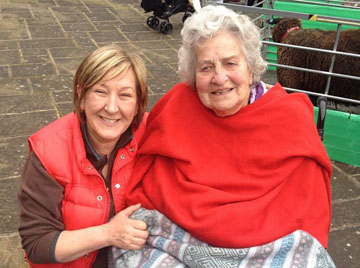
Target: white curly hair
(210,20)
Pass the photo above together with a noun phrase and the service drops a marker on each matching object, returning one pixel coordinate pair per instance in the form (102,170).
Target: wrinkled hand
(124,232)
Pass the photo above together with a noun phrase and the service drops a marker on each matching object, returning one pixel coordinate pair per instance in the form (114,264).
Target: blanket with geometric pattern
(169,246)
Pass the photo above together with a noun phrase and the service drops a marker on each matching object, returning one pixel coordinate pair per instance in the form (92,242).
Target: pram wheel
(166,28)
(152,22)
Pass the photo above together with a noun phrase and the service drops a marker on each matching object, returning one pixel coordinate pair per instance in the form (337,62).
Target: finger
(138,242)
(140,234)
(131,209)
(133,247)
(139,225)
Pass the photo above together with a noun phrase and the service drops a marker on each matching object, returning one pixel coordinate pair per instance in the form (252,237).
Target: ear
(82,102)
(251,77)
(78,90)
(137,108)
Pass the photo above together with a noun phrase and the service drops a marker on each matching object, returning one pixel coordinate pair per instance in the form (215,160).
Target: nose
(112,104)
(220,77)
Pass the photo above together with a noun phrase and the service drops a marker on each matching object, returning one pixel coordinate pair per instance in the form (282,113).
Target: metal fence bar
(264,11)
(287,14)
(314,71)
(333,59)
(322,95)
(312,49)
(323,4)
(322,18)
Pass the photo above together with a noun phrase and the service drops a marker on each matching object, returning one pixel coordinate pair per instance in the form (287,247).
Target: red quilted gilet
(60,148)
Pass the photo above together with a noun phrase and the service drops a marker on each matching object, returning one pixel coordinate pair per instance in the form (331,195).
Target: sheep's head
(282,25)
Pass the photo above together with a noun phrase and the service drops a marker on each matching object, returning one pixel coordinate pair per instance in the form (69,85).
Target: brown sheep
(349,42)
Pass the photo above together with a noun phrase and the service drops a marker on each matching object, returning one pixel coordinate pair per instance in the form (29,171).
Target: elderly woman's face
(223,78)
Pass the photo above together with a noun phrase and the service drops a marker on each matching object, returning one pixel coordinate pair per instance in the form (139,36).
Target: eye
(206,68)
(125,95)
(230,63)
(99,91)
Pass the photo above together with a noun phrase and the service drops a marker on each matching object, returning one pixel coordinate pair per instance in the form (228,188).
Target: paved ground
(41,44)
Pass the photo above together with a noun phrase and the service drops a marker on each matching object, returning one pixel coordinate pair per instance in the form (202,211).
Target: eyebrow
(126,87)
(224,59)
(99,84)
(231,57)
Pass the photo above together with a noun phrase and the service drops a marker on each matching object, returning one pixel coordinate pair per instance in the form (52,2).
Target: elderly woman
(74,180)
(233,164)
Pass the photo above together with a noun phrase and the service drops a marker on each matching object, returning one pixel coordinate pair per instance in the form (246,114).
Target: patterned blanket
(171,246)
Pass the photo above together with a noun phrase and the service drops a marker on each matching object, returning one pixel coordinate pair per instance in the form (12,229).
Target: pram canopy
(157,5)
(151,5)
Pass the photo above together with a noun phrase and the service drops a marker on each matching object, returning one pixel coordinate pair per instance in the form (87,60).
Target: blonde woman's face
(222,77)
(110,107)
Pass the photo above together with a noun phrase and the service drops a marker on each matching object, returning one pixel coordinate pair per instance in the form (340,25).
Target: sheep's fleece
(349,41)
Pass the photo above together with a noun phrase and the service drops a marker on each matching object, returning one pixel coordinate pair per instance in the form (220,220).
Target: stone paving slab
(17,104)
(4,71)
(64,108)
(11,254)
(13,152)
(8,223)
(13,28)
(344,247)
(14,86)
(33,69)
(66,66)
(345,213)
(9,57)
(52,83)
(24,124)
(42,42)
(47,43)
(343,187)
(5,45)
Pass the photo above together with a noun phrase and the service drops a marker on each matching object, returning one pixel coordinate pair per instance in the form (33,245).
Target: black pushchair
(164,9)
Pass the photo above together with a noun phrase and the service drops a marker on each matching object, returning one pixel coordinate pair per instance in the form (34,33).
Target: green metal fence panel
(342,136)
(342,130)
(331,11)
(340,12)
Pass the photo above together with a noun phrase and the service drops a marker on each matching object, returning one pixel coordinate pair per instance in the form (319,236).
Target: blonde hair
(97,65)
(205,24)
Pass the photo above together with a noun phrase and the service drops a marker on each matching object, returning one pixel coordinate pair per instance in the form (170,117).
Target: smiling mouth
(107,120)
(221,92)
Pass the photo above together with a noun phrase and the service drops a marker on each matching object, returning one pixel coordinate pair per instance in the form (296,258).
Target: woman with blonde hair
(71,198)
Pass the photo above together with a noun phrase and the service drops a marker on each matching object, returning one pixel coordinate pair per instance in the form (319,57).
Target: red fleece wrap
(236,181)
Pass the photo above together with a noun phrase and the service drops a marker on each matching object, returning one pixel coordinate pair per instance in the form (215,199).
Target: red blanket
(238,181)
